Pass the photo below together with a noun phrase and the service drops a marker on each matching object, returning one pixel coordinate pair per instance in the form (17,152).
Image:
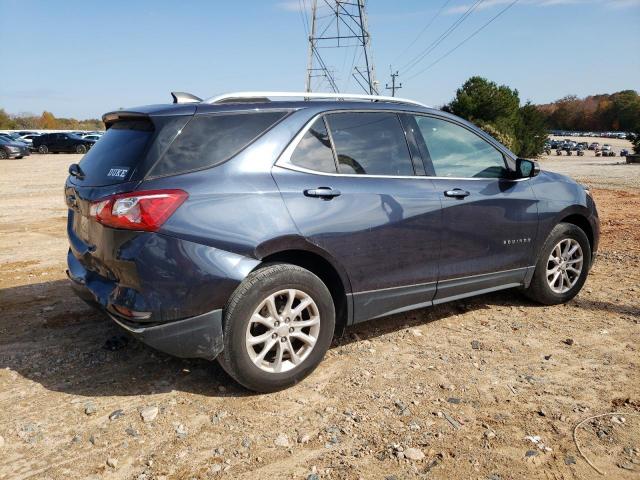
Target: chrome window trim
(284,161)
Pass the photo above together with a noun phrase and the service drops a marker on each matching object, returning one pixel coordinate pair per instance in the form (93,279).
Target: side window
(458,152)
(314,150)
(208,140)
(370,143)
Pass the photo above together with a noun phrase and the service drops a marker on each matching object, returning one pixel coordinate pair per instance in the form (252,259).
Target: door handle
(456,193)
(325,193)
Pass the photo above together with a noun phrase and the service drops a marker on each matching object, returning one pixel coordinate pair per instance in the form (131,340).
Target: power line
(465,40)
(417,59)
(429,23)
(393,86)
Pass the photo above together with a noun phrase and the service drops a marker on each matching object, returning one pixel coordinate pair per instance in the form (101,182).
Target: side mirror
(526,168)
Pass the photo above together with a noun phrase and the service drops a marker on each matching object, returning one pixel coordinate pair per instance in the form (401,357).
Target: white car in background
(28,138)
(92,136)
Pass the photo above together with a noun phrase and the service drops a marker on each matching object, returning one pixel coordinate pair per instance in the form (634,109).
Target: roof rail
(243,97)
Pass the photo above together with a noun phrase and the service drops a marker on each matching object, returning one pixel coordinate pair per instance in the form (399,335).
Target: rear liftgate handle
(456,193)
(326,193)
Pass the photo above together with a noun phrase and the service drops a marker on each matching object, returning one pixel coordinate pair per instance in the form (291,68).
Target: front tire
(81,149)
(563,265)
(278,325)
(43,149)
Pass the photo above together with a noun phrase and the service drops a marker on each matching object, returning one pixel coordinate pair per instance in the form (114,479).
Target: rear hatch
(132,144)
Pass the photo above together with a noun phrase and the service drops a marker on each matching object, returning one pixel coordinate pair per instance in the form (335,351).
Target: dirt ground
(486,388)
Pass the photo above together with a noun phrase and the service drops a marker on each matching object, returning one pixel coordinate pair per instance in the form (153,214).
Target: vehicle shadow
(49,336)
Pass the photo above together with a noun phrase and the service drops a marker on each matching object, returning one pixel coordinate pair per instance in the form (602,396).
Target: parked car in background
(92,137)
(624,152)
(249,227)
(11,137)
(607,151)
(594,146)
(62,142)
(12,149)
(22,133)
(28,138)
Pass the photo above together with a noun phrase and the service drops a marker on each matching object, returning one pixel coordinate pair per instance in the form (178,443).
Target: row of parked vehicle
(620,135)
(569,146)
(21,143)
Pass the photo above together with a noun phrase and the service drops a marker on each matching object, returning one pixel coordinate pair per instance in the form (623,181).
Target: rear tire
(3,155)
(81,149)
(43,149)
(563,266)
(286,310)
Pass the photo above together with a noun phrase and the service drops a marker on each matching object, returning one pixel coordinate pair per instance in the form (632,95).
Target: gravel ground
(599,172)
(485,388)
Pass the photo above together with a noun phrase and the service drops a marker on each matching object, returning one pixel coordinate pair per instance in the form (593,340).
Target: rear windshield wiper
(76,171)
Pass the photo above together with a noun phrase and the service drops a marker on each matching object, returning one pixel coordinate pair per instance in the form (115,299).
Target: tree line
(525,128)
(46,121)
(616,112)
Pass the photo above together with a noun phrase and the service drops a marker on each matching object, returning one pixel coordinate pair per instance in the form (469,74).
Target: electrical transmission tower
(340,25)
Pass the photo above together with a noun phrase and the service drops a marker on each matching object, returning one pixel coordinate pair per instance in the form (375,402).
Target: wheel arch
(297,251)
(582,222)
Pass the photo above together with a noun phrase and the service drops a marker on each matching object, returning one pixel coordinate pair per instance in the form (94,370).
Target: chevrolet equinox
(248,227)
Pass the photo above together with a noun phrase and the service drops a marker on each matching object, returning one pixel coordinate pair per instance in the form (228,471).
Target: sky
(79,58)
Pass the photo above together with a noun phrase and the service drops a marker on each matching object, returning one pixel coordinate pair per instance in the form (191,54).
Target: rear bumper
(194,337)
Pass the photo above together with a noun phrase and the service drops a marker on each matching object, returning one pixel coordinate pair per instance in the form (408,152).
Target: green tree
(530,131)
(635,141)
(482,100)
(496,109)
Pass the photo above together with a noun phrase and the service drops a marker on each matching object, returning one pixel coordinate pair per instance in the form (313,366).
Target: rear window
(115,156)
(314,150)
(208,140)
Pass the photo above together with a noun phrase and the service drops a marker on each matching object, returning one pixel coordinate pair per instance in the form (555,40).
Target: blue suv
(250,227)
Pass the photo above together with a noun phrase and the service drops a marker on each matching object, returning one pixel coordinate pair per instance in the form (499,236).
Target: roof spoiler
(184,97)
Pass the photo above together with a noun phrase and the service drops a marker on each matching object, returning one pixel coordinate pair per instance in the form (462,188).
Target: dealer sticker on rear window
(118,172)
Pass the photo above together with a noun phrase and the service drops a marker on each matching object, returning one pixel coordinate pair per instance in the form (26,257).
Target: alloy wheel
(283,331)
(564,265)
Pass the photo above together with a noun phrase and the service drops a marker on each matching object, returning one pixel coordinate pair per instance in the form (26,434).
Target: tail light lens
(146,210)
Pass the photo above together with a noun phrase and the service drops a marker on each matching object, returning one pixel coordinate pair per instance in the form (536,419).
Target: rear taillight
(146,210)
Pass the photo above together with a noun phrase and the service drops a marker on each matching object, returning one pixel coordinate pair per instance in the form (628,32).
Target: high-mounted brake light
(144,210)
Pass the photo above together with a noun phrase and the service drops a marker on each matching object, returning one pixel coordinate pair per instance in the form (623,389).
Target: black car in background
(62,142)
(12,149)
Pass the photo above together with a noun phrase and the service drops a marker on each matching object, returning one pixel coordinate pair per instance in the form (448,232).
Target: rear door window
(314,151)
(113,159)
(370,143)
(208,140)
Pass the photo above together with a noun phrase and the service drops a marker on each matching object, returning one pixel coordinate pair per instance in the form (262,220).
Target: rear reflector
(145,210)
